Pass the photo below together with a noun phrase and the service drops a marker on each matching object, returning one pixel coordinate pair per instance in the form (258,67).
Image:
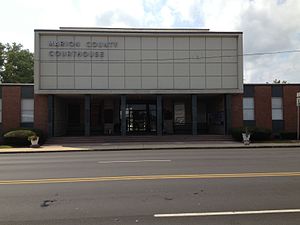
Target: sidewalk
(146,146)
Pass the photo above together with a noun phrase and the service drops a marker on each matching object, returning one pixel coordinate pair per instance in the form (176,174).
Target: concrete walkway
(146,146)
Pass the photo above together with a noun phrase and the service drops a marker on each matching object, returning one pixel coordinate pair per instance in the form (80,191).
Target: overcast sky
(268,25)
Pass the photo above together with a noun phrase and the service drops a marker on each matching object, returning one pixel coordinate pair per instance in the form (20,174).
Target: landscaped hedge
(19,137)
(257,133)
(288,135)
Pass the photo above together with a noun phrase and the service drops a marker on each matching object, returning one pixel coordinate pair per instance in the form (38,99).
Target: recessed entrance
(141,118)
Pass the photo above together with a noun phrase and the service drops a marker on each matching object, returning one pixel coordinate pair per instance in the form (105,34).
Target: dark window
(108,116)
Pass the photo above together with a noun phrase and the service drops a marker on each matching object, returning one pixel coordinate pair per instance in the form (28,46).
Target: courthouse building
(99,81)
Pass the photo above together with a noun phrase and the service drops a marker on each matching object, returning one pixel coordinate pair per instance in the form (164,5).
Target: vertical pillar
(159,119)
(50,115)
(227,105)
(194,115)
(123,115)
(87,115)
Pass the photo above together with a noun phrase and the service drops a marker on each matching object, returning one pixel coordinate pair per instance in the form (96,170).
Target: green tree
(16,64)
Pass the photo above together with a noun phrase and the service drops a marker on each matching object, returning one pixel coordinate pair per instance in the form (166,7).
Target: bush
(257,133)
(18,137)
(261,134)
(236,133)
(40,134)
(288,135)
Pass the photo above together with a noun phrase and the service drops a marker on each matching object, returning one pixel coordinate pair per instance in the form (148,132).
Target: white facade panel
(100,69)
(149,69)
(48,69)
(48,83)
(116,82)
(116,69)
(213,56)
(213,43)
(133,82)
(65,69)
(166,69)
(83,69)
(181,83)
(132,42)
(197,69)
(83,83)
(65,83)
(198,82)
(181,69)
(229,82)
(149,82)
(99,82)
(213,82)
(133,69)
(229,69)
(197,56)
(229,43)
(174,61)
(197,43)
(132,55)
(165,82)
(149,43)
(181,43)
(181,56)
(165,43)
(213,69)
(229,56)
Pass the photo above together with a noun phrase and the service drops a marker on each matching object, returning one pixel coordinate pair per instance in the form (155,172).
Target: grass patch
(5,146)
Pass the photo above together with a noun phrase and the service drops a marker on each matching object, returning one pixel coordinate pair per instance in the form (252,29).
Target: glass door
(140,118)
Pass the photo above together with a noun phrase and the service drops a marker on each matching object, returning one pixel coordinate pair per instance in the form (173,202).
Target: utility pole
(298,105)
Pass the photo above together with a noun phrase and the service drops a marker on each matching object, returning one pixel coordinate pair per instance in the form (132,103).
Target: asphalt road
(209,187)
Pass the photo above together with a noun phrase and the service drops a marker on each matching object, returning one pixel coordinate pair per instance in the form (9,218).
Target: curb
(138,148)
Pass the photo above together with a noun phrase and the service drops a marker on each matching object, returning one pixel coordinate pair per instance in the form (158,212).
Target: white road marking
(136,161)
(274,211)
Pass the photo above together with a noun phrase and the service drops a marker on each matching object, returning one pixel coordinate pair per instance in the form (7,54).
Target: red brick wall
(41,112)
(263,106)
(289,107)
(11,107)
(237,110)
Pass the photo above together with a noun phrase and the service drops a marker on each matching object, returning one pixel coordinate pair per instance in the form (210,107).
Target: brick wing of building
(91,81)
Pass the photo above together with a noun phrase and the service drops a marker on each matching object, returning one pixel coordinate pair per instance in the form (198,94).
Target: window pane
(27,116)
(248,103)
(27,104)
(179,113)
(276,103)
(277,114)
(248,114)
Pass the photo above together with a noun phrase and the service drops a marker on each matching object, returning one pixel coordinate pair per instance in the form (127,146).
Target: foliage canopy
(16,64)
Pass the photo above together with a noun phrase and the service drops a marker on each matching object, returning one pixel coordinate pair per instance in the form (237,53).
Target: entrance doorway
(74,125)
(141,118)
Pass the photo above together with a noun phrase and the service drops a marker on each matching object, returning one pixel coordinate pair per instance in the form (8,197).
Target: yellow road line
(150,177)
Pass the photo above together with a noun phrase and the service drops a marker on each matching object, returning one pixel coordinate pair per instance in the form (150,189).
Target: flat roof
(135,30)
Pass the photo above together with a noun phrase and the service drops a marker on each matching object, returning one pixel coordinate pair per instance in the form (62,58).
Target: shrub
(236,133)
(40,134)
(23,135)
(288,135)
(261,134)
(257,133)
(18,137)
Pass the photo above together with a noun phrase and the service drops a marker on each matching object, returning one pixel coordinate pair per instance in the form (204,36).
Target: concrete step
(148,138)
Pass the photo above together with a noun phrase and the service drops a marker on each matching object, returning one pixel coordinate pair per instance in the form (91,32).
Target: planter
(35,143)
(246,138)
